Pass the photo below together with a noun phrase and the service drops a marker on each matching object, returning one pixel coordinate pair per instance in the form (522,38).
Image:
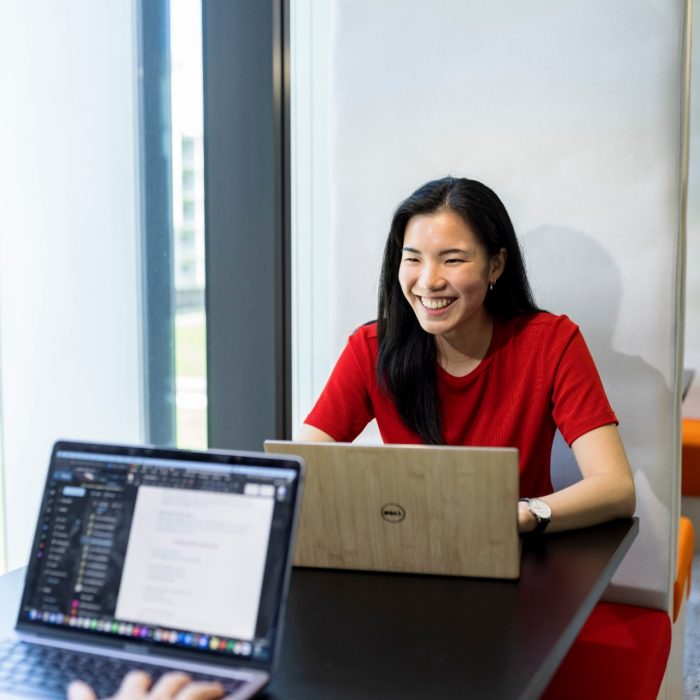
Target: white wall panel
(691,407)
(69,281)
(572,112)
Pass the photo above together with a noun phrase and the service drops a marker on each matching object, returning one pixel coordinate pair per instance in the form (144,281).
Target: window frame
(247,231)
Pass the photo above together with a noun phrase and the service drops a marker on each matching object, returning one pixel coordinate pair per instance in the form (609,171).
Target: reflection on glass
(188,222)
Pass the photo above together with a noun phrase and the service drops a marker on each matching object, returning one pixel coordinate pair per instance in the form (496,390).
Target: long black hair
(407,359)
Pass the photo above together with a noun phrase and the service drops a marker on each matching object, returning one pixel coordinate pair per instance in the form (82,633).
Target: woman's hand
(137,686)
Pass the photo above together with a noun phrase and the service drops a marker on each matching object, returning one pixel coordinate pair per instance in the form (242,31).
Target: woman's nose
(430,277)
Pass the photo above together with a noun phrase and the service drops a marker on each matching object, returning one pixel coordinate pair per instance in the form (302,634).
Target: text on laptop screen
(161,550)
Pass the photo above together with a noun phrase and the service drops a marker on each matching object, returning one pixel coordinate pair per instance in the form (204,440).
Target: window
(173,184)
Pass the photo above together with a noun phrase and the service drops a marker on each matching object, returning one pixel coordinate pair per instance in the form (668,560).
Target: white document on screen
(195,561)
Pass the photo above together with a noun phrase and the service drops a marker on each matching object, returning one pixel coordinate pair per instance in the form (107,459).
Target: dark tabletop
(367,635)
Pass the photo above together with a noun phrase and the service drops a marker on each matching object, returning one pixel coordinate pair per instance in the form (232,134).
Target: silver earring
(490,286)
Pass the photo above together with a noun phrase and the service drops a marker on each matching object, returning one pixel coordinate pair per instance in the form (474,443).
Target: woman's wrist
(527,522)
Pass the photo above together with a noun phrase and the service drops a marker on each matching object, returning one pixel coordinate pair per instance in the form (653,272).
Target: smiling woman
(461,355)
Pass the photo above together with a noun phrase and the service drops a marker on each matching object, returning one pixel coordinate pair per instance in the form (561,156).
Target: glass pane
(188,222)
(3,559)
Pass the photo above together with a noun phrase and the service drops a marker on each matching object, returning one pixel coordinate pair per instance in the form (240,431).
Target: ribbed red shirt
(538,375)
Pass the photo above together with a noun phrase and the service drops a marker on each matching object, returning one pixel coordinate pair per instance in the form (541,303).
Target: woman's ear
(498,264)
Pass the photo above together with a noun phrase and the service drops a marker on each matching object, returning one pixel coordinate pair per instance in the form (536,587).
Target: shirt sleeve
(344,407)
(579,400)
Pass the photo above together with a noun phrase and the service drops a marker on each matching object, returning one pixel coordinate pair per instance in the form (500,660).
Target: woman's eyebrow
(452,251)
(447,251)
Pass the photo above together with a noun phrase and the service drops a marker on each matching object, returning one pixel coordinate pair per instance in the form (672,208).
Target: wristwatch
(541,510)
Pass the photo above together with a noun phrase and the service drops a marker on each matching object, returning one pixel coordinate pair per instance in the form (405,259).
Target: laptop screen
(178,549)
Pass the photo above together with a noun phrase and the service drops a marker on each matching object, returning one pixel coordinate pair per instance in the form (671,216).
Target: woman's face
(445,273)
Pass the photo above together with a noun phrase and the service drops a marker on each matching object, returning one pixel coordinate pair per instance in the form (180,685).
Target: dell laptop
(158,559)
(409,508)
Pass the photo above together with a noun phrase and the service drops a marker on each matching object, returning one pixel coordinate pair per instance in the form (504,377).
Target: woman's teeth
(435,303)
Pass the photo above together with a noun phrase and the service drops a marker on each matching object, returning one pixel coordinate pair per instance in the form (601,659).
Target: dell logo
(393,513)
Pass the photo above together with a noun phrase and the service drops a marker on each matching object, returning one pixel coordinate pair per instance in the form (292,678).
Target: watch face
(540,509)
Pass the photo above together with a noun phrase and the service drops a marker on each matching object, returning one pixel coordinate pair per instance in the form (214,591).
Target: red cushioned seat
(621,652)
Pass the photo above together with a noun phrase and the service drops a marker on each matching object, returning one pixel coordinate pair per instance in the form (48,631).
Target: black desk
(362,635)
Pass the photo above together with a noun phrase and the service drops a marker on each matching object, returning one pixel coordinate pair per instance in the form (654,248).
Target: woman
(461,355)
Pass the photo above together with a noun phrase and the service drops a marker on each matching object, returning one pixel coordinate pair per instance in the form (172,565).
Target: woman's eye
(452,261)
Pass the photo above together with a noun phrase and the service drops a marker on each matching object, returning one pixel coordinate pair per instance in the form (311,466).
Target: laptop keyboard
(40,671)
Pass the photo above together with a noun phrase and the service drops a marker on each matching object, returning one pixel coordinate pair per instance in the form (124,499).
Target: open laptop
(158,559)
(408,508)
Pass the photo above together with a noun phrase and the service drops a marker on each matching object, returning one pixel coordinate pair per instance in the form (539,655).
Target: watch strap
(541,524)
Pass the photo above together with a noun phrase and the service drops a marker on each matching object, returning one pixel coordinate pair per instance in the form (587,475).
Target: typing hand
(137,686)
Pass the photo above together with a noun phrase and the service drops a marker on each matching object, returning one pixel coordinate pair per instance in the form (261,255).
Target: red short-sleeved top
(538,375)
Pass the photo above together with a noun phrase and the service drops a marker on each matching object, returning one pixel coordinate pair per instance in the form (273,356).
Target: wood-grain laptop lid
(408,508)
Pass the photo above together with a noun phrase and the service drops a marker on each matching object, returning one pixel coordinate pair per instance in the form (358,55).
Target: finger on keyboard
(78,690)
(201,690)
(134,685)
(168,685)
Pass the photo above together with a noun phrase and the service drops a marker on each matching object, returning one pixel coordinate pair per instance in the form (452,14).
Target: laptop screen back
(181,550)
(430,509)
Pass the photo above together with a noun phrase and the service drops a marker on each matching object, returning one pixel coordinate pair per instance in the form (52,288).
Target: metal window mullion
(246,214)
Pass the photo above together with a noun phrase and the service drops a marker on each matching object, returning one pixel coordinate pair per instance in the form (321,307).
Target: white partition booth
(575,114)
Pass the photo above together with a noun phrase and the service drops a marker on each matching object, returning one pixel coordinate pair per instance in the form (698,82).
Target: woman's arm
(307,433)
(605,492)
(344,407)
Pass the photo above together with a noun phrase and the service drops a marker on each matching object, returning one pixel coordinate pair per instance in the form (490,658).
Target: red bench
(621,652)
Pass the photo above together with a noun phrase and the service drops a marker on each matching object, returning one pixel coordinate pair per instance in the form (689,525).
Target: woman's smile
(436,304)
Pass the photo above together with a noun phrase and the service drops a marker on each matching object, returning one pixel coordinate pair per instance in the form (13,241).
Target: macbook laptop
(158,559)
(405,508)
